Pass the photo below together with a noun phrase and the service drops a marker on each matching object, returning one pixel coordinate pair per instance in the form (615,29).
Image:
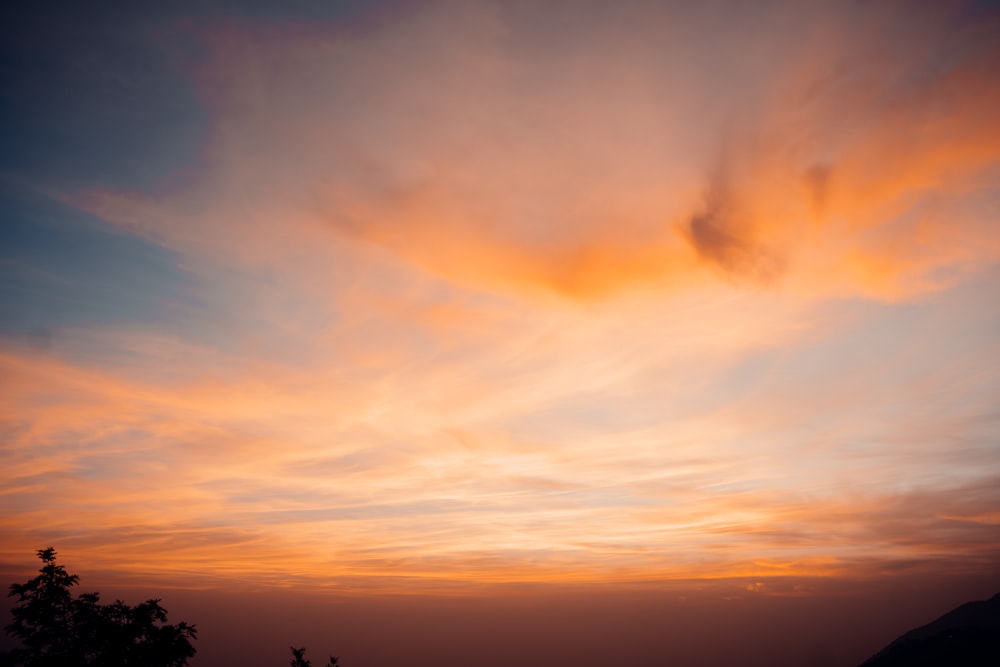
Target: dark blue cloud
(96,98)
(101,95)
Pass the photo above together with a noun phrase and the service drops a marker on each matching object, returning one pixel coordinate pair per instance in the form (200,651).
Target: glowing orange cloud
(573,448)
(819,157)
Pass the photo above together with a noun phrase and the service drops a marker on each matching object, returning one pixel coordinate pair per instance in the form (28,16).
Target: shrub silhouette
(56,630)
(299,659)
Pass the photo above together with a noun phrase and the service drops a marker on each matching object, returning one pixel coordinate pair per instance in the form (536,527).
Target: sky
(470,332)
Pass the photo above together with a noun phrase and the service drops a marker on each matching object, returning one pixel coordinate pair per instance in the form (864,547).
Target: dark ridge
(968,636)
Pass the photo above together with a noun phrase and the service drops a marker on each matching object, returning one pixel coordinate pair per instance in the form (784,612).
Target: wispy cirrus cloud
(591,448)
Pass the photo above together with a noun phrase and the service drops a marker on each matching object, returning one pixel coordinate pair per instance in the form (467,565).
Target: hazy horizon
(816,622)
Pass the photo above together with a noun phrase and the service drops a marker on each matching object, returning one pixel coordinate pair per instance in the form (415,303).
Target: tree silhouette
(299,659)
(56,630)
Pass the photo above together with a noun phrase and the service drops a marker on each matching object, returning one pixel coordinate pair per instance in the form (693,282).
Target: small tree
(299,659)
(56,630)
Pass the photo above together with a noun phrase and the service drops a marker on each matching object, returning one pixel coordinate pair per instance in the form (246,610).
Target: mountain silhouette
(967,636)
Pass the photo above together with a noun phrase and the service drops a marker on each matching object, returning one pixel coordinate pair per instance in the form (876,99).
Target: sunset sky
(474,310)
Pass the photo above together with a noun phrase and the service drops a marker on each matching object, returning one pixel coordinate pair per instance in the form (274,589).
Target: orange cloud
(842,160)
(620,443)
